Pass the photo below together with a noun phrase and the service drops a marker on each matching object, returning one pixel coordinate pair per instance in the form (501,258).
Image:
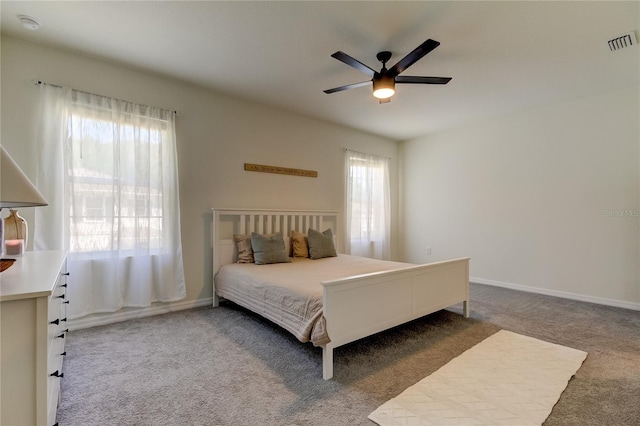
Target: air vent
(626,40)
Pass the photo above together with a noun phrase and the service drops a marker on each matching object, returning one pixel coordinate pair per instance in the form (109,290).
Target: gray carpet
(226,366)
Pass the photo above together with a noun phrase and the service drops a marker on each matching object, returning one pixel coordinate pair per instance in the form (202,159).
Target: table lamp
(16,190)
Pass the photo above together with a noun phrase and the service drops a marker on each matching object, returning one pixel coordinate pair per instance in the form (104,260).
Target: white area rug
(507,379)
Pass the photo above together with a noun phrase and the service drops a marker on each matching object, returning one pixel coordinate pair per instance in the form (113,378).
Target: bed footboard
(363,305)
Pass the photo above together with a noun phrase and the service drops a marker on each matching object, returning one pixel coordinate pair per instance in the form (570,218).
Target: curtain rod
(37,82)
(365,153)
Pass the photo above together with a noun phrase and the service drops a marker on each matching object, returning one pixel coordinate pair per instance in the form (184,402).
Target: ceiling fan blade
(348,86)
(413,57)
(343,57)
(422,80)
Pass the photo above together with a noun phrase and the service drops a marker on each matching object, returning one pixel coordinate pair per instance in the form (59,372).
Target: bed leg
(216,301)
(466,309)
(327,361)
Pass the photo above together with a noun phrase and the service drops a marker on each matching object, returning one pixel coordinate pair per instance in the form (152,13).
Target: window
(115,179)
(109,171)
(367,205)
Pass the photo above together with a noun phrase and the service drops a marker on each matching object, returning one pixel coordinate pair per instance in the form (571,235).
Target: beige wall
(545,200)
(216,134)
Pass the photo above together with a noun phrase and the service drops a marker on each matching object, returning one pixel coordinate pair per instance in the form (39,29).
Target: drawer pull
(64,285)
(66,301)
(63,353)
(61,296)
(56,322)
(56,374)
(63,319)
(66,273)
(60,336)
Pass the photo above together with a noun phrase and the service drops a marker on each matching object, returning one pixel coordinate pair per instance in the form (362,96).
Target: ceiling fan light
(384,93)
(383,87)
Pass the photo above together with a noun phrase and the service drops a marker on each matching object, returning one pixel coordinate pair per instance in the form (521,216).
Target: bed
(330,301)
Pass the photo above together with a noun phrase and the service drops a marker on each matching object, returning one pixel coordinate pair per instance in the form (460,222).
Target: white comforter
(290,294)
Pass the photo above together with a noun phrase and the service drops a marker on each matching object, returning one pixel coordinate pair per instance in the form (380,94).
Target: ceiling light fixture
(383,86)
(28,22)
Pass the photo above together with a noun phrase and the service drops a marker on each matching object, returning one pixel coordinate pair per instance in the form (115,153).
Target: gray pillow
(321,244)
(269,249)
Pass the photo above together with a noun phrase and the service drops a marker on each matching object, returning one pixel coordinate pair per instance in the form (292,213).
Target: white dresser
(33,325)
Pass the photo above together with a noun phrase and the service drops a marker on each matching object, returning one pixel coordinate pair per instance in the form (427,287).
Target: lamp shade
(383,86)
(16,190)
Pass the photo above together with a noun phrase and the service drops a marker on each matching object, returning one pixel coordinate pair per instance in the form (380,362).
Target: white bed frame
(358,306)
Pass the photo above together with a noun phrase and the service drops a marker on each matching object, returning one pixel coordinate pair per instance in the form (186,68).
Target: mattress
(290,294)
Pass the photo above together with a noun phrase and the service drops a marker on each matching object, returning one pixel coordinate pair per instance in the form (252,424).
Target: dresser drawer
(55,300)
(53,386)
(54,319)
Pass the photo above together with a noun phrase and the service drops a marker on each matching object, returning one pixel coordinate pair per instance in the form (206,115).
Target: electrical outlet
(428,251)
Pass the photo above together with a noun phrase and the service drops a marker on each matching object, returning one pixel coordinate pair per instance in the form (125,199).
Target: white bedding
(290,294)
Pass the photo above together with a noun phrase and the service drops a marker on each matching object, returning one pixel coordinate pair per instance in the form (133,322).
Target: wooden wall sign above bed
(279,170)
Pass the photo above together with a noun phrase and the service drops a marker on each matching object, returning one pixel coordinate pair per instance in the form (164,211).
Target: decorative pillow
(321,244)
(269,249)
(299,244)
(243,245)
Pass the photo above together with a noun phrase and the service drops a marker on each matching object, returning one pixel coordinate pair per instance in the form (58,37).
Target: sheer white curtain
(109,171)
(368,205)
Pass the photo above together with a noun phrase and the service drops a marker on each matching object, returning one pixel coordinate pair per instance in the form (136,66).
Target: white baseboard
(557,293)
(132,313)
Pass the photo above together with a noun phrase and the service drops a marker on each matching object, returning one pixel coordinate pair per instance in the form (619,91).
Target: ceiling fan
(385,80)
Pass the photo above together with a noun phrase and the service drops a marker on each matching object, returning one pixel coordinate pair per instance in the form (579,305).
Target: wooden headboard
(230,222)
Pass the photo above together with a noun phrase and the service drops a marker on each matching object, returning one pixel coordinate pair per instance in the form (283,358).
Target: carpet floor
(227,366)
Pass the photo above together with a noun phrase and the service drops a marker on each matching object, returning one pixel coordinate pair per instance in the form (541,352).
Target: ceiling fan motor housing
(384,56)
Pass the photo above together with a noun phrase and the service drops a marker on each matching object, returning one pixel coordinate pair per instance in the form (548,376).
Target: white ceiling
(503,56)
